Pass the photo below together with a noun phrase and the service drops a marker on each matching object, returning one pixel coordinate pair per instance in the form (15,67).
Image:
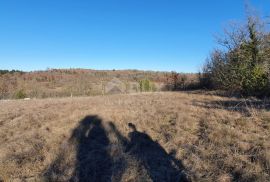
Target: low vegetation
(147,86)
(20,94)
(162,136)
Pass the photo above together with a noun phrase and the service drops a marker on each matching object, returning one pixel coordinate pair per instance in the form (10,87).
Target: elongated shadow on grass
(160,165)
(92,159)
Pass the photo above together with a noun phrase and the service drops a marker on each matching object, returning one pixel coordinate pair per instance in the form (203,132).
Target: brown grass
(135,137)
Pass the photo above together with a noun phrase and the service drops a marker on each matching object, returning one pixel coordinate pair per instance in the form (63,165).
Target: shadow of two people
(94,162)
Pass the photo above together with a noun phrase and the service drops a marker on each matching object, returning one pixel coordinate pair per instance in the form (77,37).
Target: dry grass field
(181,136)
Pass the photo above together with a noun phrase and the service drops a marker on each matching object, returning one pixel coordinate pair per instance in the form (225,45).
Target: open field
(164,136)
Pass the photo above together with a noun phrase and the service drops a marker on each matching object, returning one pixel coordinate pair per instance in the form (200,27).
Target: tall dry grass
(135,137)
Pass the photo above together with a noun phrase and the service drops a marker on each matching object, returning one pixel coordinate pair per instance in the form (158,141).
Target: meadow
(161,136)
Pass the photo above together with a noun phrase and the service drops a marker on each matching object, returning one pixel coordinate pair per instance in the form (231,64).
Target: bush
(256,82)
(20,94)
(146,85)
(179,81)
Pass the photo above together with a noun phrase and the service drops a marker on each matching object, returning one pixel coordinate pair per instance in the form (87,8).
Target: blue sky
(160,35)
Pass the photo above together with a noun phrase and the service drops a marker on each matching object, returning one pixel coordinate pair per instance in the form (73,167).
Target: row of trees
(2,72)
(241,64)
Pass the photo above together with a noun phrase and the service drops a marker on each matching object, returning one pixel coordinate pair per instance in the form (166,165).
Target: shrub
(20,94)
(256,82)
(177,81)
(146,85)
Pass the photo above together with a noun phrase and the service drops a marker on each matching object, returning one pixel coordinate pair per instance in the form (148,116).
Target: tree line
(2,72)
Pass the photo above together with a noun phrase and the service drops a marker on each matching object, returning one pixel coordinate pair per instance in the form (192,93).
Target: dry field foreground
(139,137)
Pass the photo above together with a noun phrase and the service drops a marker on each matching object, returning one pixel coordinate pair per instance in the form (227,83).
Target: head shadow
(160,165)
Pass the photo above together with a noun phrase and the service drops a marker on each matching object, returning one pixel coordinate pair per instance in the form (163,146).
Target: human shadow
(92,159)
(160,165)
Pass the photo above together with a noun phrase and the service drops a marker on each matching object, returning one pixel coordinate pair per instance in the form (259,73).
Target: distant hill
(78,82)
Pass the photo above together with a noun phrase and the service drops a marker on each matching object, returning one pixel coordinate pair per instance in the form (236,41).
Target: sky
(159,35)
